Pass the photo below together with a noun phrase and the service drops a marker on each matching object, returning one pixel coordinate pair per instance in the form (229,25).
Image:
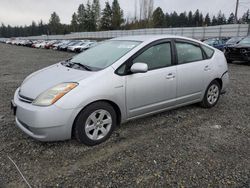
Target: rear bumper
(44,123)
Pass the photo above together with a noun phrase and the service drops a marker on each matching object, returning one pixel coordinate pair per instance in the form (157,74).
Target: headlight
(52,95)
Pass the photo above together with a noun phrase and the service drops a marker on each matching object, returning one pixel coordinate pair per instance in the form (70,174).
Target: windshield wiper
(81,65)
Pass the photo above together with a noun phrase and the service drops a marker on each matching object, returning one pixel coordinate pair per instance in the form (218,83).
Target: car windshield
(105,54)
(245,41)
(72,43)
(75,43)
(210,41)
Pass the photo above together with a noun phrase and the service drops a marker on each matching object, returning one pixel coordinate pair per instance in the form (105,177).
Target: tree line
(90,17)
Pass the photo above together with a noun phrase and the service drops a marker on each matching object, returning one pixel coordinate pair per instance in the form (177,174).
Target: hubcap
(98,124)
(213,94)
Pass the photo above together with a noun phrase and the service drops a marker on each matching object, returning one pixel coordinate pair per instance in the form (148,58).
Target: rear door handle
(170,76)
(207,68)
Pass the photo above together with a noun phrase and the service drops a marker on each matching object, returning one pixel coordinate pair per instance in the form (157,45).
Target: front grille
(234,51)
(25,99)
(243,51)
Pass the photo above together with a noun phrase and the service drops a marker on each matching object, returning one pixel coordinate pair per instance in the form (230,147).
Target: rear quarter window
(209,52)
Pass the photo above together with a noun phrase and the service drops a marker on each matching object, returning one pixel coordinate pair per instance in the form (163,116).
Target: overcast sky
(21,12)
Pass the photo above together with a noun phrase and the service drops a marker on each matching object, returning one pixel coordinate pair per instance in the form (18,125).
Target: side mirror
(139,68)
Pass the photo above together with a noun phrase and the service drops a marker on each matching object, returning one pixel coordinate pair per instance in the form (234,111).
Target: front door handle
(170,76)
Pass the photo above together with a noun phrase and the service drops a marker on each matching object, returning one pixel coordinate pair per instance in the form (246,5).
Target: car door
(155,89)
(192,71)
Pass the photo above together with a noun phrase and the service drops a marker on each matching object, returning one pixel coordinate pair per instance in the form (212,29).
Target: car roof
(148,38)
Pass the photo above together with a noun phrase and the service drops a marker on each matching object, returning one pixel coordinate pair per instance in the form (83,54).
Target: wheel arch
(113,104)
(219,80)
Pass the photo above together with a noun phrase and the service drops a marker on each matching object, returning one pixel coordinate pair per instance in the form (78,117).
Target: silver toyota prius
(121,79)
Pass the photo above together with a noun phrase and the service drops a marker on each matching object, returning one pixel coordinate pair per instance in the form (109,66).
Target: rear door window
(188,52)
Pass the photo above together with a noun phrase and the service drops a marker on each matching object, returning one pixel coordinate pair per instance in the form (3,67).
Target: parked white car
(86,46)
(75,47)
(118,80)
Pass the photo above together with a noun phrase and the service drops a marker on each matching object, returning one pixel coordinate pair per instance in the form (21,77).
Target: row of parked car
(62,45)
(235,48)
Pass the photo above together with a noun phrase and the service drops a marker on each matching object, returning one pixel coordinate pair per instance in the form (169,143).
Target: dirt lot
(190,146)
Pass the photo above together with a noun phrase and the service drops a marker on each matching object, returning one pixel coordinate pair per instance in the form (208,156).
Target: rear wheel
(212,95)
(95,123)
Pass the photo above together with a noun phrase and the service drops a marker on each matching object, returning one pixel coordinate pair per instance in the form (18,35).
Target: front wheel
(212,95)
(95,123)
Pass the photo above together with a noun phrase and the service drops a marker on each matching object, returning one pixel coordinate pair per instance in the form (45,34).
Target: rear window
(209,52)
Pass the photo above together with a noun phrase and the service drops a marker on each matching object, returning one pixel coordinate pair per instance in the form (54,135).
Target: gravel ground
(186,147)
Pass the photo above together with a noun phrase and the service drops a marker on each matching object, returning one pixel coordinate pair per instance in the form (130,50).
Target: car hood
(72,47)
(42,80)
(76,46)
(240,46)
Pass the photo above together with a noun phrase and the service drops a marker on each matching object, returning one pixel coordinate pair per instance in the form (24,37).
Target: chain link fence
(192,32)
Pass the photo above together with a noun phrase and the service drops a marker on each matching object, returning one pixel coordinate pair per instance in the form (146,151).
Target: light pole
(236,12)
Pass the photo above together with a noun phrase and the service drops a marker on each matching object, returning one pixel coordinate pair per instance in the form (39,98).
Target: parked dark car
(239,52)
(28,43)
(218,43)
(233,41)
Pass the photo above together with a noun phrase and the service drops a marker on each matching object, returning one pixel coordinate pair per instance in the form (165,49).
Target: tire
(212,95)
(95,123)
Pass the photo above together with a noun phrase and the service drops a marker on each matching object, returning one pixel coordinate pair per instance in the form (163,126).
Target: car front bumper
(43,123)
(237,56)
(225,82)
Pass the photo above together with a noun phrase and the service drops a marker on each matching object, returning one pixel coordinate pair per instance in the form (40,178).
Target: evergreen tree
(90,22)
(74,23)
(54,24)
(207,20)
(3,31)
(183,19)
(231,19)
(201,19)
(197,18)
(81,17)
(190,19)
(246,17)
(106,18)
(42,29)
(10,32)
(158,18)
(167,20)
(97,12)
(33,28)
(117,15)
(89,18)
(174,19)
(221,19)
(214,21)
